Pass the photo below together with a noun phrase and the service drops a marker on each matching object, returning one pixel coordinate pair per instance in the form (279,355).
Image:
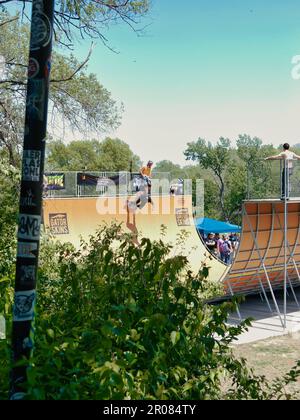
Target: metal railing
(273,179)
(62,184)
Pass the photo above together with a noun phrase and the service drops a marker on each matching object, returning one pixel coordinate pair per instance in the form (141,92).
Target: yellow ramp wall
(68,219)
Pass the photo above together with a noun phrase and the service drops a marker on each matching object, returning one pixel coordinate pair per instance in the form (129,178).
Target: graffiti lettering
(28,200)
(29,226)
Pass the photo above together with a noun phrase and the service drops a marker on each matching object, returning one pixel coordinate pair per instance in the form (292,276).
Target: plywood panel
(263,224)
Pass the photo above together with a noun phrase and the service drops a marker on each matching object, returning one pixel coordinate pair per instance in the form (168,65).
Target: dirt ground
(273,357)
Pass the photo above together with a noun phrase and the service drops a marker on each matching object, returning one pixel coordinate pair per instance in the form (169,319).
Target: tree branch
(70,77)
(9,21)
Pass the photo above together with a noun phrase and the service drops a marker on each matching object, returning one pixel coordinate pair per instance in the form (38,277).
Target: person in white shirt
(287,171)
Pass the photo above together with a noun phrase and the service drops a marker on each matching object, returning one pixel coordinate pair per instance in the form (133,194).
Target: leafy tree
(88,18)
(249,149)
(211,199)
(173,169)
(214,158)
(9,191)
(110,155)
(261,178)
(236,191)
(76,97)
(116,155)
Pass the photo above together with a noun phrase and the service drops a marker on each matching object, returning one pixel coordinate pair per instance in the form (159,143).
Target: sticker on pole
(35,103)
(41,31)
(24,305)
(31,165)
(33,68)
(26,275)
(29,227)
(27,249)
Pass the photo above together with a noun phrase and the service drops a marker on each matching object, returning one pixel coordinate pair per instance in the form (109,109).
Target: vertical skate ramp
(261,253)
(68,219)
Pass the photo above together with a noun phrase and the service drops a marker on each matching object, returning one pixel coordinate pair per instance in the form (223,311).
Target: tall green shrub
(116,321)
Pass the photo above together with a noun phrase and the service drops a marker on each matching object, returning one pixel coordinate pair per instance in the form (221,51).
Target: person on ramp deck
(146,172)
(287,170)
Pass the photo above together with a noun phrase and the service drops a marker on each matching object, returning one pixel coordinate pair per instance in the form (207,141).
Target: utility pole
(30,211)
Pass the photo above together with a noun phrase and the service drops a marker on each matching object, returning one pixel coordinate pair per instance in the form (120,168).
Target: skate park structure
(268,257)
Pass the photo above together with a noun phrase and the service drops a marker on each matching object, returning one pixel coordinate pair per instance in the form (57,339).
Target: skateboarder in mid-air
(143,195)
(141,198)
(287,171)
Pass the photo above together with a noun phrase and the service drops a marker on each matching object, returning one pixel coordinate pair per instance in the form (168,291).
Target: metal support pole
(31,192)
(281,180)
(285,240)
(248,181)
(264,293)
(293,291)
(237,306)
(264,268)
(291,252)
(273,296)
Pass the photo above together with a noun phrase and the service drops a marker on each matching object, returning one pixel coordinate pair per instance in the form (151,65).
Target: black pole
(31,191)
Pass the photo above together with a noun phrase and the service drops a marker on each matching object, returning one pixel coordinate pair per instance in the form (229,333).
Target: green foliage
(116,321)
(215,159)
(9,192)
(211,199)
(208,156)
(167,166)
(236,172)
(261,178)
(109,155)
(76,96)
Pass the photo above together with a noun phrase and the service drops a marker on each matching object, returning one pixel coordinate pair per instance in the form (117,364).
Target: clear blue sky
(204,68)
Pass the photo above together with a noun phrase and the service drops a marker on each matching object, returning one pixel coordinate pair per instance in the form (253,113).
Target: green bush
(9,193)
(116,321)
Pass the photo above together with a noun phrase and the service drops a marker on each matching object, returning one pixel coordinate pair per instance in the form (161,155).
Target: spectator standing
(226,250)
(211,243)
(219,242)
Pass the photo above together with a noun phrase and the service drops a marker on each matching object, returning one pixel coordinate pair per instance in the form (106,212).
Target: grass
(273,357)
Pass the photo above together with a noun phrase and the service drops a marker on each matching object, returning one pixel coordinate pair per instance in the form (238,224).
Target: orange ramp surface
(68,219)
(260,260)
